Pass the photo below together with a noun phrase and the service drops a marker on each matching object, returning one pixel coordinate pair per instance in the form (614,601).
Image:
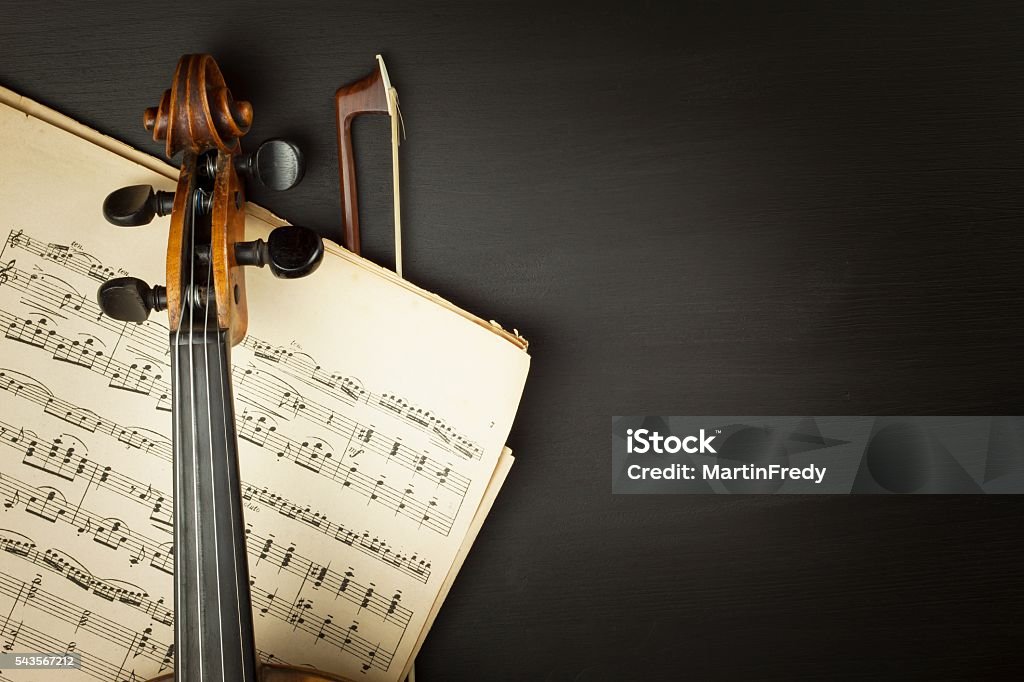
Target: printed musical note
(12,500)
(83,619)
(318,573)
(297,611)
(56,457)
(137,378)
(324,625)
(57,252)
(343,586)
(367,597)
(269,599)
(11,634)
(112,533)
(161,514)
(168,659)
(163,558)
(393,607)
(48,503)
(37,332)
(143,644)
(265,550)
(287,558)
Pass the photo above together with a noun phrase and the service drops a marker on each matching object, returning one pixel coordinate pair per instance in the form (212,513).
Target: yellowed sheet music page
(371,419)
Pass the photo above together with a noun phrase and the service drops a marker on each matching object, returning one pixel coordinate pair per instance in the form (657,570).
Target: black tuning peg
(276,165)
(290,252)
(136,205)
(129,299)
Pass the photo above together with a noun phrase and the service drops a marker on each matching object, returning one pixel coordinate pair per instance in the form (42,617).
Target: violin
(205,302)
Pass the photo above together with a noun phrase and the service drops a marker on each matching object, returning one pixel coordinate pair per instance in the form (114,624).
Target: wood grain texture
(198,115)
(706,208)
(365,96)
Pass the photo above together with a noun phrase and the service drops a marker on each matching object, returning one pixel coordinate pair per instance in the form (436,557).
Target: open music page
(371,418)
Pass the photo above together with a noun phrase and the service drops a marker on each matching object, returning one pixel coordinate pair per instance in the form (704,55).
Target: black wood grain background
(695,208)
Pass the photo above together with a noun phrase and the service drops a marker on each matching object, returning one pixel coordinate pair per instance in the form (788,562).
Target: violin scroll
(205,299)
(198,111)
(199,119)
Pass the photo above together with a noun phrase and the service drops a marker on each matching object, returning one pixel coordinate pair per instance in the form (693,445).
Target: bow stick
(372,94)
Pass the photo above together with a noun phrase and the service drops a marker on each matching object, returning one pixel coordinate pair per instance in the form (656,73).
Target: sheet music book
(371,414)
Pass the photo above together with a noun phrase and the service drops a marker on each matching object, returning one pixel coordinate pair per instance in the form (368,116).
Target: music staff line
(71,258)
(256,390)
(49,504)
(345,639)
(42,294)
(116,535)
(87,355)
(142,381)
(133,378)
(375,489)
(52,560)
(46,295)
(152,335)
(365,597)
(160,504)
(142,643)
(30,639)
(141,377)
(98,668)
(41,290)
(139,600)
(27,388)
(62,461)
(134,642)
(300,365)
(73,571)
(372,546)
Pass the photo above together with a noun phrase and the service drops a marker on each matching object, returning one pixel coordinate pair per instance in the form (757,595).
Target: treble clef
(8,273)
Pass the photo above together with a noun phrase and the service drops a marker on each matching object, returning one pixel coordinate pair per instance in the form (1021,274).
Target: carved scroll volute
(198,112)
(197,115)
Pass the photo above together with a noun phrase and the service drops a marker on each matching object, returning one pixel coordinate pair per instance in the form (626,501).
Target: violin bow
(372,94)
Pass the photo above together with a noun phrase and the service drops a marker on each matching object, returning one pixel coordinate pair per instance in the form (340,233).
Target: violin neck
(212,608)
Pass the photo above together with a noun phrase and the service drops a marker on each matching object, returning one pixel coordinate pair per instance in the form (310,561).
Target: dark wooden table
(709,209)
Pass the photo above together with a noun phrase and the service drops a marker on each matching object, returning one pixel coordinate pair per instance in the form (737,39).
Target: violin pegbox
(200,119)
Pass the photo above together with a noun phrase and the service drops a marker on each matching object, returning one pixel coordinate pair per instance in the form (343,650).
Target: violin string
(212,477)
(232,470)
(192,405)
(179,630)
